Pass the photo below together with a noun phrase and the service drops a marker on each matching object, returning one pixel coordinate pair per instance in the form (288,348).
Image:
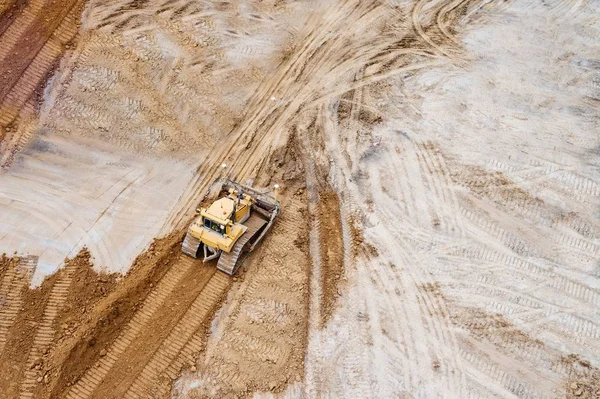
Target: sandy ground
(439,234)
(143,92)
(76,196)
(480,192)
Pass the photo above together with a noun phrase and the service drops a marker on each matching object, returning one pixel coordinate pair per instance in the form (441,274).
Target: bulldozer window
(213,226)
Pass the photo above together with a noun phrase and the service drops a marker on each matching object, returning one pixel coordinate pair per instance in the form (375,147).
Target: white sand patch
(60,196)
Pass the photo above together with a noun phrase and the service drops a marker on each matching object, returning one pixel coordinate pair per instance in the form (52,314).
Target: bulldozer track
(228,260)
(183,333)
(187,355)
(14,32)
(18,138)
(6,5)
(45,44)
(86,386)
(13,282)
(31,78)
(422,236)
(45,332)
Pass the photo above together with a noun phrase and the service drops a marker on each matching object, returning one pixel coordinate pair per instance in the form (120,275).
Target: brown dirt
(263,336)
(34,36)
(31,42)
(584,381)
(359,245)
(9,11)
(332,250)
(288,162)
(86,288)
(7,262)
(142,349)
(84,313)
(20,338)
(262,332)
(90,317)
(491,327)
(108,307)
(490,184)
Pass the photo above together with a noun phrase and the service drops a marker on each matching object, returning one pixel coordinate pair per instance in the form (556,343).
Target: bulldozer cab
(230,226)
(214,226)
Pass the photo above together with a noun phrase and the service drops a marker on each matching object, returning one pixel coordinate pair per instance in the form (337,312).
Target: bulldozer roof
(221,209)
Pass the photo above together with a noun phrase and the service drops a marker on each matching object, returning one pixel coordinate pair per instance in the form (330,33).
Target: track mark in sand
(20,134)
(495,230)
(512,351)
(45,333)
(295,82)
(442,24)
(14,32)
(35,30)
(259,336)
(332,250)
(187,355)
(481,369)
(536,273)
(427,311)
(39,67)
(86,386)
(416,16)
(437,175)
(582,186)
(183,333)
(577,290)
(15,279)
(30,47)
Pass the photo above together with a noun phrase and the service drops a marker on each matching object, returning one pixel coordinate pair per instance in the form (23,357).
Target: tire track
(187,355)
(392,309)
(416,16)
(431,311)
(295,82)
(441,168)
(432,303)
(493,229)
(509,385)
(434,176)
(443,25)
(309,64)
(545,317)
(518,246)
(36,31)
(45,333)
(258,108)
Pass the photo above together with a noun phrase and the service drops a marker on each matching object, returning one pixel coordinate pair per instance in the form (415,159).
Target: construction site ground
(438,165)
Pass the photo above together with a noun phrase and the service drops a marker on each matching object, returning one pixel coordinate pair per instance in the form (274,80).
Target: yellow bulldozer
(231,226)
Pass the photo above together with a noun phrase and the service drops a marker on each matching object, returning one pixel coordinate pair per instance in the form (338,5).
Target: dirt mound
(107,307)
(79,319)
